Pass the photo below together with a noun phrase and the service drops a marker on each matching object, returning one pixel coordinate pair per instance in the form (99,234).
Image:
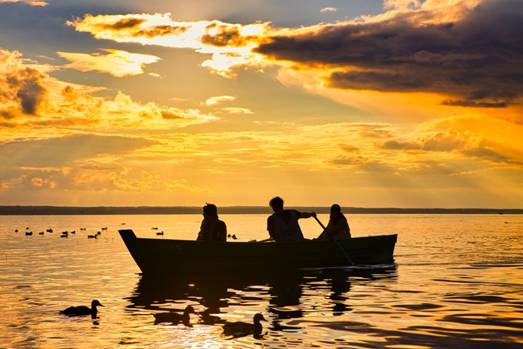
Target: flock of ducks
(230,329)
(65,233)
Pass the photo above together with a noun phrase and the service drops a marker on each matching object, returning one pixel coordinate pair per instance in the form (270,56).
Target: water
(457,283)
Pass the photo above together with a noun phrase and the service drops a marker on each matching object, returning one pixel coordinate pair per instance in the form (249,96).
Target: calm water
(457,283)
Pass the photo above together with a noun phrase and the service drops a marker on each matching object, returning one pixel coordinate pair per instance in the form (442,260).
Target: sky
(395,103)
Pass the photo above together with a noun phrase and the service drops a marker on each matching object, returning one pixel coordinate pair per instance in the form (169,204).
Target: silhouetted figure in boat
(212,229)
(174,318)
(283,224)
(338,227)
(83,310)
(241,329)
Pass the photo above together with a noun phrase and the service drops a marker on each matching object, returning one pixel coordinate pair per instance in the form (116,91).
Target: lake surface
(457,283)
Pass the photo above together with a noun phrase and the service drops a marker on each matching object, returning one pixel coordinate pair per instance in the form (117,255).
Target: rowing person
(338,227)
(212,229)
(283,224)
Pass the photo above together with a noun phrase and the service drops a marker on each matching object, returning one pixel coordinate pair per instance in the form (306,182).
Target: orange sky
(402,103)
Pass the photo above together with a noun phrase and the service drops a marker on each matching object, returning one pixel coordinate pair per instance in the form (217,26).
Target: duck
(28,233)
(49,230)
(41,233)
(16,230)
(234,237)
(64,234)
(174,318)
(73,231)
(104,228)
(241,329)
(83,310)
(95,236)
(159,233)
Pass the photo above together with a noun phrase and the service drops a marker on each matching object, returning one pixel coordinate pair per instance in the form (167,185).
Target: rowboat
(160,256)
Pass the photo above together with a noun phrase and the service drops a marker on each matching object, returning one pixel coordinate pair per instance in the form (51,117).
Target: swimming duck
(64,234)
(41,233)
(95,236)
(28,233)
(49,230)
(234,237)
(159,233)
(83,310)
(240,329)
(175,318)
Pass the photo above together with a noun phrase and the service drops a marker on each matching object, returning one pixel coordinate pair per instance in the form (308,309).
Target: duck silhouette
(83,310)
(174,317)
(241,329)
(28,233)
(159,233)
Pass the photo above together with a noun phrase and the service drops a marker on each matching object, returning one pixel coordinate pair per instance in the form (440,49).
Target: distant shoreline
(131,210)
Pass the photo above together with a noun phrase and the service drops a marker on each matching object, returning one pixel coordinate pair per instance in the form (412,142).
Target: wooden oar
(345,254)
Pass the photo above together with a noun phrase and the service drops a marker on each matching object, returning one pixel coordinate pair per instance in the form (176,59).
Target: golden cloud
(118,63)
(445,48)
(231,45)
(30,98)
(213,101)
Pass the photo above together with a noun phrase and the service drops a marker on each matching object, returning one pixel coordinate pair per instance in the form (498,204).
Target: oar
(345,254)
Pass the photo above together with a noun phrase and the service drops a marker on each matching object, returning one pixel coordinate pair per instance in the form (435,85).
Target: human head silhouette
(210,211)
(276,203)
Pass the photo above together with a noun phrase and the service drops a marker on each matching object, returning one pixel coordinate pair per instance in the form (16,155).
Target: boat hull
(161,256)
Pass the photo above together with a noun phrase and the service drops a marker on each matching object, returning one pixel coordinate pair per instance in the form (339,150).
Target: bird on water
(175,318)
(241,329)
(83,310)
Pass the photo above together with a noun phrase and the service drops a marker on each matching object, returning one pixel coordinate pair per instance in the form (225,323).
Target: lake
(457,282)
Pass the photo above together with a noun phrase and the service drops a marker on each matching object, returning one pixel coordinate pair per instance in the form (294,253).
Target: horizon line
(236,209)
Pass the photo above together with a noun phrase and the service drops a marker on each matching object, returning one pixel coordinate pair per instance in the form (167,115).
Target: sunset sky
(404,103)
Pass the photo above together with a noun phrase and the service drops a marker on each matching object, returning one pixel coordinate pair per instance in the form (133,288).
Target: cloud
(118,63)
(22,88)
(236,110)
(328,9)
(467,49)
(27,90)
(213,101)
(230,45)
(28,2)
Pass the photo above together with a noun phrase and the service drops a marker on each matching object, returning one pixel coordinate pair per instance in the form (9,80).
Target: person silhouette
(283,224)
(338,227)
(212,228)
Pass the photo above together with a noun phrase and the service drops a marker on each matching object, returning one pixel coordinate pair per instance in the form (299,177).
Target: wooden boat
(159,256)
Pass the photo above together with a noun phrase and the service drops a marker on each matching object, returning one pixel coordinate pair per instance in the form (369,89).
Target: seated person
(338,227)
(212,229)
(283,224)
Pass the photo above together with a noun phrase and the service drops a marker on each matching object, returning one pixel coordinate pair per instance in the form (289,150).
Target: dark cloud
(394,144)
(160,30)
(491,155)
(126,23)
(30,94)
(25,85)
(478,58)
(224,35)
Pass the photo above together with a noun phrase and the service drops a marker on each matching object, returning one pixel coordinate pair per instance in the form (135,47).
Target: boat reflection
(285,296)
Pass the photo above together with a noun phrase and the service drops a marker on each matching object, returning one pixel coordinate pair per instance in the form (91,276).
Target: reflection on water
(457,283)
(285,296)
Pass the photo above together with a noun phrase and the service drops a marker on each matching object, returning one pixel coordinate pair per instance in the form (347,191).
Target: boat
(160,256)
